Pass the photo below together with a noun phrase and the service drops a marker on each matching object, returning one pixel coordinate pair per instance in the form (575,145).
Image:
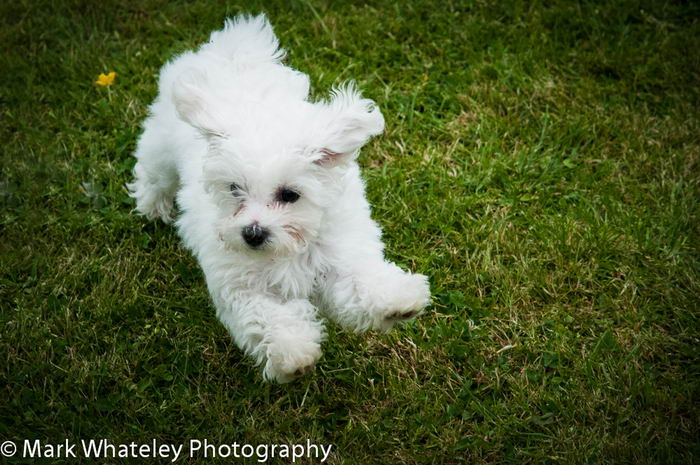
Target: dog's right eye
(235,189)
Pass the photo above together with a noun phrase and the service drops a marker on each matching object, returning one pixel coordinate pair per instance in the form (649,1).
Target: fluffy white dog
(270,197)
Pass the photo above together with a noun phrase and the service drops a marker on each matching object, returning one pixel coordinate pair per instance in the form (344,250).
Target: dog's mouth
(289,240)
(259,247)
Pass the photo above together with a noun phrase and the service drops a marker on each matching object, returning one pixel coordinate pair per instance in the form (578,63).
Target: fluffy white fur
(231,129)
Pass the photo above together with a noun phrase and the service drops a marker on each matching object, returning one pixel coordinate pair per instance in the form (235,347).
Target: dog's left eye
(287,196)
(235,189)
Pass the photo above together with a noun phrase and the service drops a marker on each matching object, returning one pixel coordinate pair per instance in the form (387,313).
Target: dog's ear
(347,123)
(194,105)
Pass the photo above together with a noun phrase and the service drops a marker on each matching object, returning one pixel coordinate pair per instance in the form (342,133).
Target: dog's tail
(246,39)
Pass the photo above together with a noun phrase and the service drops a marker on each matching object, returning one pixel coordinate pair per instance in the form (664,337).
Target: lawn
(541,164)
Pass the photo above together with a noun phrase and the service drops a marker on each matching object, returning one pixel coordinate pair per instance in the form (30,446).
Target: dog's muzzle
(255,235)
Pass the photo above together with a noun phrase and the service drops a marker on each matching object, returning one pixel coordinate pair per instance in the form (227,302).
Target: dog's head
(275,164)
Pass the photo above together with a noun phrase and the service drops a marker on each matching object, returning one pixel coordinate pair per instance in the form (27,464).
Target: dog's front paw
(152,201)
(409,301)
(289,359)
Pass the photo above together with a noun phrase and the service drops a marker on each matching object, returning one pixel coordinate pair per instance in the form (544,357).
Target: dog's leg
(374,295)
(284,337)
(155,174)
(362,290)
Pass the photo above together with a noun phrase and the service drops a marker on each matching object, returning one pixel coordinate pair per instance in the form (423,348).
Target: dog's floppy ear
(194,105)
(347,123)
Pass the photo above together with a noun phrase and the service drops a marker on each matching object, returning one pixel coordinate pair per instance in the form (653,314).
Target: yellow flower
(106,79)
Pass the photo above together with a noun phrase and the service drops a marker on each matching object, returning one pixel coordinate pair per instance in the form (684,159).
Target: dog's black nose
(254,235)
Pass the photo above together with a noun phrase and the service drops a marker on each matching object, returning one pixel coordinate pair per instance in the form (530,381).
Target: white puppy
(270,197)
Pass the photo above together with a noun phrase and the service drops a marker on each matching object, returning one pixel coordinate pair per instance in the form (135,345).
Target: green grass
(541,164)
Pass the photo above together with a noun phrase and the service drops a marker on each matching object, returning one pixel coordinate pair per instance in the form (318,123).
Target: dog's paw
(402,314)
(152,201)
(291,359)
(408,302)
(301,371)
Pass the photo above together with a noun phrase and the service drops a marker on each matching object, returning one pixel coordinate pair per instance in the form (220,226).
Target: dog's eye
(287,196)
(235,189)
